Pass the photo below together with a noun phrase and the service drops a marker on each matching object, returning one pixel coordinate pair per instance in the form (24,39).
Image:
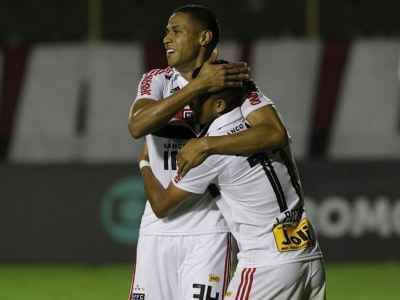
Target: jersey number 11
(170,160)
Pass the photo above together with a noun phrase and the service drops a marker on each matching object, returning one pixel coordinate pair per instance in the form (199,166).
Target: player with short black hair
(206,18)
(262,202)
(187,254)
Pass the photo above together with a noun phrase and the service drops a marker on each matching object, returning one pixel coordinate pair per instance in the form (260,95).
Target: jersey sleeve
(198,179)
(151,85)
(254,101)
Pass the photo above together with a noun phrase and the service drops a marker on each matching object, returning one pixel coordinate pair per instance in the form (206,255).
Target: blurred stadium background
(71,198)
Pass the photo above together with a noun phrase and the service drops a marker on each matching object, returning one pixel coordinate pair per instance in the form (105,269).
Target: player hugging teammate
(184,244)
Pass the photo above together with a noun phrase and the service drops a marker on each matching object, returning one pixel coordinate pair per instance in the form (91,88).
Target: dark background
(89,211)
(48,20)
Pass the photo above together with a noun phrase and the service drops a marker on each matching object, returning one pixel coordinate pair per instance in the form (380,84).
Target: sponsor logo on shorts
(213,278)
(205,292)
(136,296)
(228,293)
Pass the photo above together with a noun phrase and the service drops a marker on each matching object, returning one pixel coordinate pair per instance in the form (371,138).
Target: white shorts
(182,267)
(291,281)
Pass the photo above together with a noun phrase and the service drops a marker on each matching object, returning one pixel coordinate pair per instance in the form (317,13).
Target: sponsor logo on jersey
(185,114)
(237,128)
(294,237)
(177,178)
(254,99)
(291,216)
(145,85)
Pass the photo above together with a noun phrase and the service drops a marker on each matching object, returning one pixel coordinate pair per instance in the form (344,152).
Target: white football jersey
(261,199)
(199,216)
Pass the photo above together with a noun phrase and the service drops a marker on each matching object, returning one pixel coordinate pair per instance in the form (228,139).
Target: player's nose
(167,39)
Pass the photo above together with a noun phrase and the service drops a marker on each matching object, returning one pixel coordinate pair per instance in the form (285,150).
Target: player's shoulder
(254,100)
(154,73)
(154,80)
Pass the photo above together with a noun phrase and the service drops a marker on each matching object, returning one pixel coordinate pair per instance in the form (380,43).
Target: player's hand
(214,77)
(191,155)
(143,154)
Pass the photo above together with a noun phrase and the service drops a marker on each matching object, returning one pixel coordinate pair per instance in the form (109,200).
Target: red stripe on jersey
(246,297)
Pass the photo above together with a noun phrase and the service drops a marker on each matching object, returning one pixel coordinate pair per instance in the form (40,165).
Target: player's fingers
(233,83)
(237,77)
(185,168)
(235,65)
(179,171)
(238,70)
(179,160)
(181,164)
(214,56)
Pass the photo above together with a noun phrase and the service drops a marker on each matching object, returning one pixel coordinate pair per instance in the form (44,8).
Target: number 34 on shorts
(294,237)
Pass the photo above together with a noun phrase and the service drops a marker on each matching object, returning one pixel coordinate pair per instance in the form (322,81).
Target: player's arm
(266,133)
(162,200)
(146,115)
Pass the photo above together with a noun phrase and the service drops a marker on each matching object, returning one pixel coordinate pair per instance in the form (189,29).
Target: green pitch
(82,282)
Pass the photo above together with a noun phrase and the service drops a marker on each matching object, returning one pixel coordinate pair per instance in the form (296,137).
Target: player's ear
(205,38)
(220,106)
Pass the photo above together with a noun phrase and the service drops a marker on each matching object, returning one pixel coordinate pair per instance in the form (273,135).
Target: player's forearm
(155,192)
(256,139)
(154,115)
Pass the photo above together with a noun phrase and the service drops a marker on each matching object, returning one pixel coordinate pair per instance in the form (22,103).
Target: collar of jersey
(225,120)
(179,78)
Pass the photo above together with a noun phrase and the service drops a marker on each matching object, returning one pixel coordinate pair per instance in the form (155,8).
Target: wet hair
(205,17)
(233,96)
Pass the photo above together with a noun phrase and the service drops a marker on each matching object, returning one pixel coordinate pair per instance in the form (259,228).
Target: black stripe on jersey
(262,158)
(276,185)
(294,177)
(166,160)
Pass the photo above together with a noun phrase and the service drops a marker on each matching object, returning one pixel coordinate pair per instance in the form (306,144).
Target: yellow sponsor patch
(228,293)
(213,278)
(294,237)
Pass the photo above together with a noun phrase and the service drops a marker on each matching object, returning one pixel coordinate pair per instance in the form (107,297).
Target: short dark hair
(205,17)
(233,96)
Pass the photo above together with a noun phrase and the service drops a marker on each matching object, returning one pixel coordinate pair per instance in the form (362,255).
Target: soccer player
(262,202)
(186,255)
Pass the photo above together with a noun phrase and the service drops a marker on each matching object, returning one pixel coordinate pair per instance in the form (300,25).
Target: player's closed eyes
(174,32)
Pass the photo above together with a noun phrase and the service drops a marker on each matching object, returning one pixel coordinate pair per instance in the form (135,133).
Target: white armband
(143,163)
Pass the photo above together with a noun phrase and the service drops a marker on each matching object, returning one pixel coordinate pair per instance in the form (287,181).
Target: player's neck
(187,70)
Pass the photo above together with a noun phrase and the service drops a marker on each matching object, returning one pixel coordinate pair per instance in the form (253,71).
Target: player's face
(205,111)
(182,41)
